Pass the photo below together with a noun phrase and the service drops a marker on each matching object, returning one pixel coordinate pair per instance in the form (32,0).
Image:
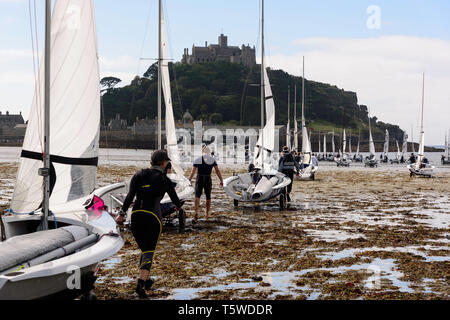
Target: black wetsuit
(149,187)
(204,166)
(286,165)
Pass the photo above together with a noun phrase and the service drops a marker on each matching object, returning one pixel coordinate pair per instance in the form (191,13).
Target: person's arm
(216,168)
(120,218)
(194,171)
(281,164)
(130,196)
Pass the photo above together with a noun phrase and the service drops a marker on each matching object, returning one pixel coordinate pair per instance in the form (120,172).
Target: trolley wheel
(181,220)
(282,201)
(236,203)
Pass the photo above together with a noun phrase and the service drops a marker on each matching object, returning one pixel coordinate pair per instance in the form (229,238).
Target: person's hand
(120,217)
(177,209)
(221,184)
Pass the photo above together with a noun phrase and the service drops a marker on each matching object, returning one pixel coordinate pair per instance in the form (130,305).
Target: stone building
(221,52)
(10,120)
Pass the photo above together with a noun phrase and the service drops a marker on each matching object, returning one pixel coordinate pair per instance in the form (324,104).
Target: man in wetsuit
(148,186)
(203,167)
(286,165)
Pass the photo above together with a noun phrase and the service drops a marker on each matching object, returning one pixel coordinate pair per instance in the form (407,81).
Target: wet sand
(354,233)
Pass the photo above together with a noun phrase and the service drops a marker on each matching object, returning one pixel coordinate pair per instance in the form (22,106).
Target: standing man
(203,167)
(149,187)
(286,165)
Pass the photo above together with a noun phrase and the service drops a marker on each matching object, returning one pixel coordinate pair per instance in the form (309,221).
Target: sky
(377,49)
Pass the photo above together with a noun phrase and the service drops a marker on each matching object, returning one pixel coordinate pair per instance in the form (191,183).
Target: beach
(354,233)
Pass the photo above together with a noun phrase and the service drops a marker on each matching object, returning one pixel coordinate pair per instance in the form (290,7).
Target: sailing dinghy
(60,229)
(307,168)
(264,182)
(421,168)
(371,160)
(345,159)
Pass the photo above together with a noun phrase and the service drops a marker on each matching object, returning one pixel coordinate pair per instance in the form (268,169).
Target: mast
(288,128)
(263,98)
(295,119)
(303,95)
(45,172)
(159,75)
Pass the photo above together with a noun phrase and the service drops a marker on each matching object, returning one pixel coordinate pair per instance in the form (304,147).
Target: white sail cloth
(172,142)
(74,112)
(266,141)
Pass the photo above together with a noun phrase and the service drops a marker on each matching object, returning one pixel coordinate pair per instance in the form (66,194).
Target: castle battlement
(245,55)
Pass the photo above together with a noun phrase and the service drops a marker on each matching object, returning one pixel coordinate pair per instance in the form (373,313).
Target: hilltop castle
(221,52)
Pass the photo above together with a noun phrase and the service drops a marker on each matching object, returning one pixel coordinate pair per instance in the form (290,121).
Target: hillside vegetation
(225,93)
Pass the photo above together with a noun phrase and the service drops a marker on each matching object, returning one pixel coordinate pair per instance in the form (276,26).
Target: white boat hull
(423,172)
(243,189)
(56,276)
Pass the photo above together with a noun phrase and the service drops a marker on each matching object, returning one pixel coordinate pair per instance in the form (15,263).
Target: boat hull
(243,189)
(427,172)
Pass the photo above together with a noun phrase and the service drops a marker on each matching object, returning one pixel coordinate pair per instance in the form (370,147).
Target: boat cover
(18,250)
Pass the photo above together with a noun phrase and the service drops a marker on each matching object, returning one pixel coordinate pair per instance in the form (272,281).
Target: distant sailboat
(371,160)
(386,147)
(446,159)
(422,166)
(343,160)
(308,168)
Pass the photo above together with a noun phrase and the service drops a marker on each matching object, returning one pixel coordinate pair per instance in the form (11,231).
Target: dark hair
(158,157)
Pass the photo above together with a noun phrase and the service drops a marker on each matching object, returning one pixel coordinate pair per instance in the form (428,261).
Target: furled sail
(172,142)
(74,113)
(386,143)
(266,141)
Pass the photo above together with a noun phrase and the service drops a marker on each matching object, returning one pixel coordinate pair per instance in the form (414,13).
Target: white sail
(344,142)
(333,147)
(295,120)
(324,144)
(386,143)
(172,142)
(421,153)
(359,140)
(267,146)
(447,146)
(74,113)
(405,143)
(399,154)
(371,144)
(320,146)
(350,145)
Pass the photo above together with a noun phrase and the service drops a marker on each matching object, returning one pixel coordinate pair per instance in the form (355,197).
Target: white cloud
(385,72)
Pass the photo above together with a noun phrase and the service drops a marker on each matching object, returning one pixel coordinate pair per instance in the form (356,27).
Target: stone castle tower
(221,52)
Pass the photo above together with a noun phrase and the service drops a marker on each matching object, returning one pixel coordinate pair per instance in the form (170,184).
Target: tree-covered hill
(221,92)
